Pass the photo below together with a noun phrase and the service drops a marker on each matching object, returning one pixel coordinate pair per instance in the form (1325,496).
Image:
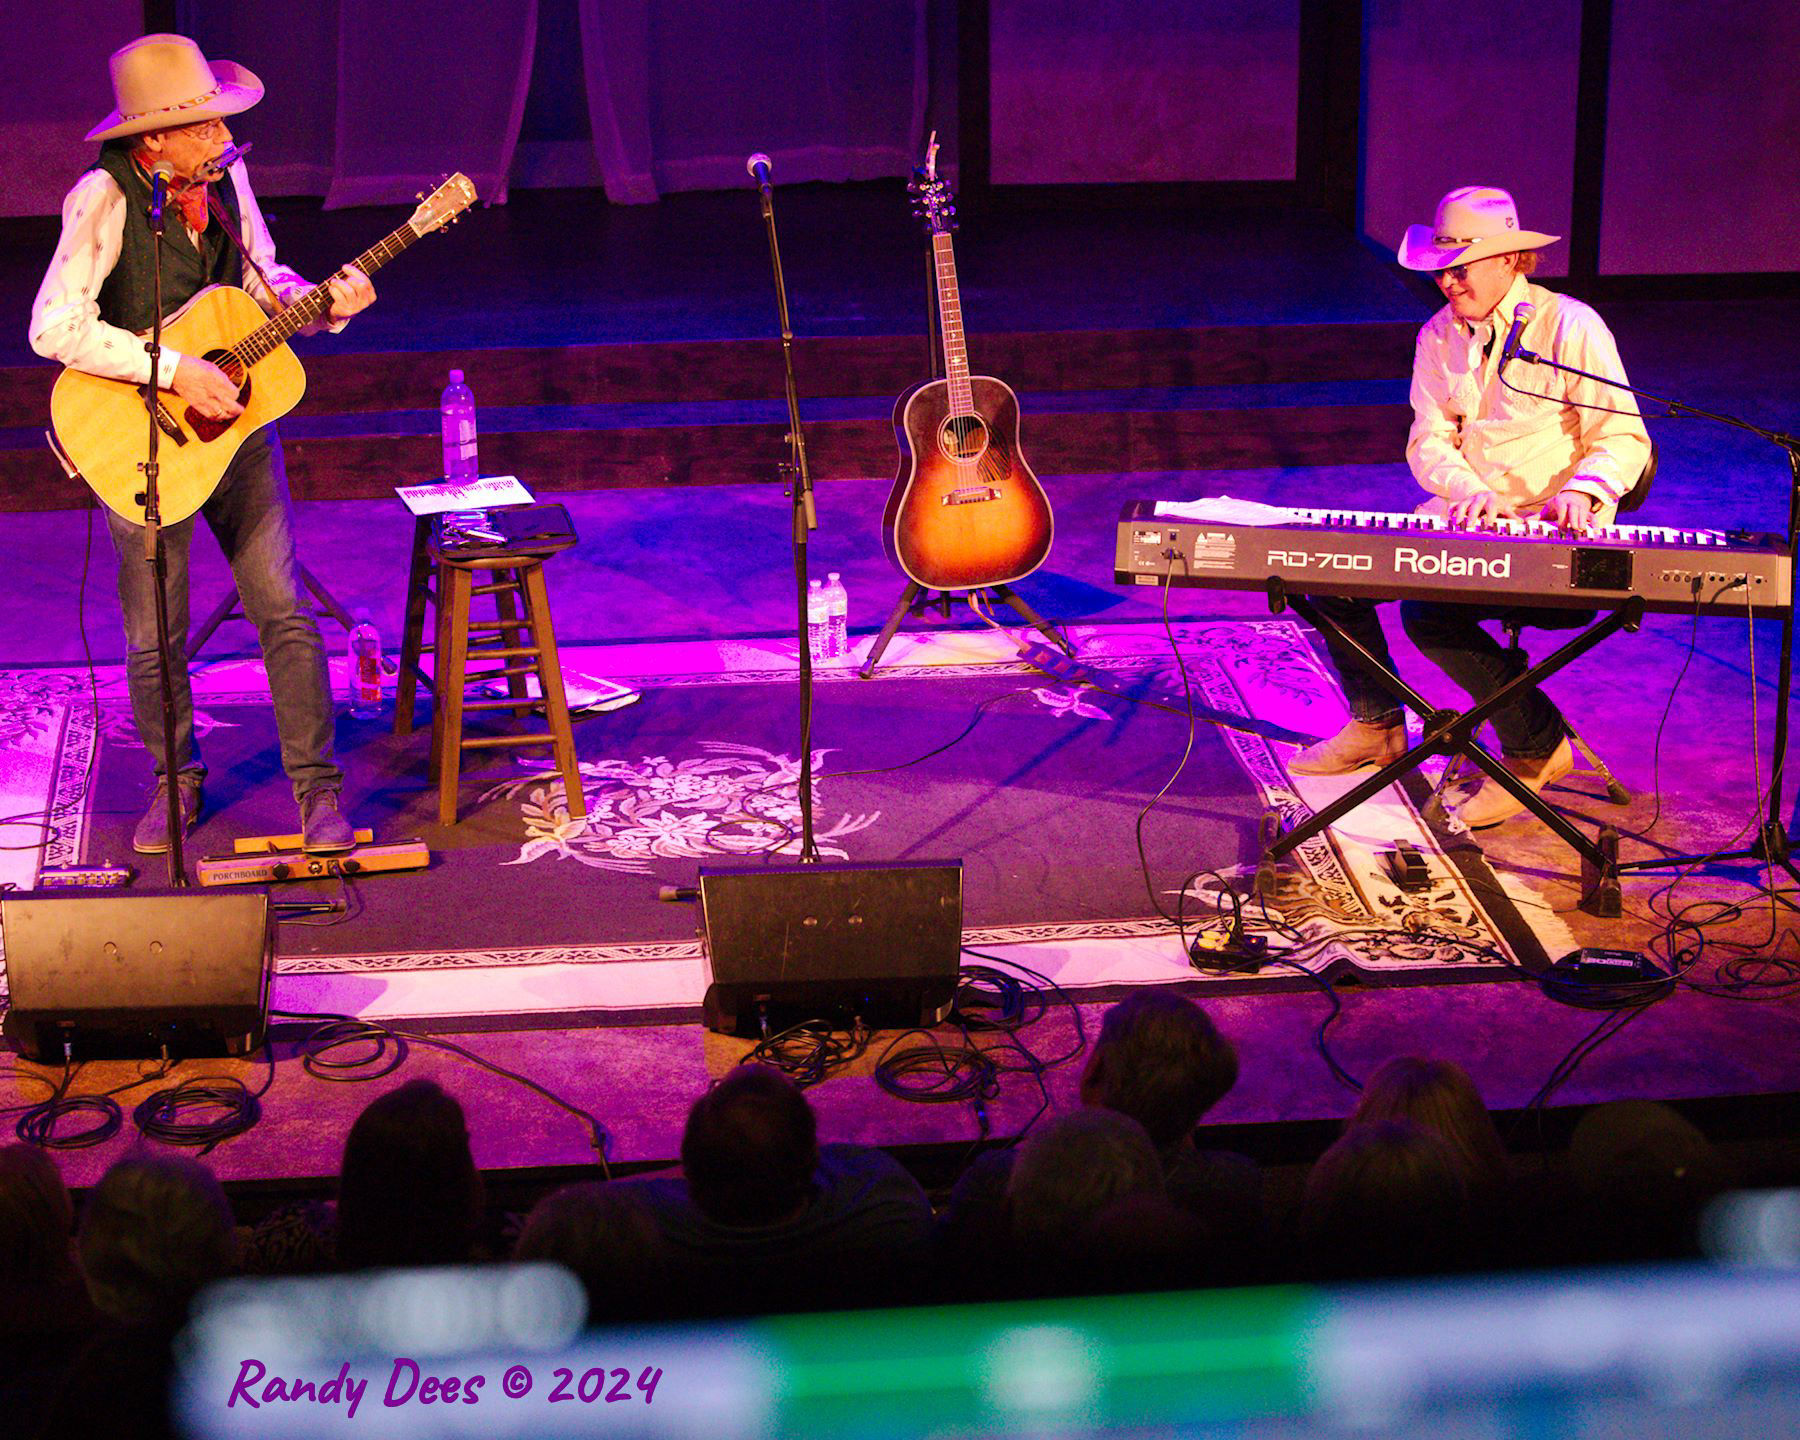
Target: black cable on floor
(810,1051)
(341,1030)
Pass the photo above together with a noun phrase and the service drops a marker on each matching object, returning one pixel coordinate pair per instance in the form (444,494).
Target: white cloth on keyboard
(1223,510)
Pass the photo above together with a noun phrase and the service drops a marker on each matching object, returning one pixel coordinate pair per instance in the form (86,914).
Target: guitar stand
(916,600)
(1453,732)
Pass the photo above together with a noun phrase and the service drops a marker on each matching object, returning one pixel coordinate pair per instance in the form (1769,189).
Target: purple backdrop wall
(1485,95)
(56,97)
(1157,90)
(1702,139)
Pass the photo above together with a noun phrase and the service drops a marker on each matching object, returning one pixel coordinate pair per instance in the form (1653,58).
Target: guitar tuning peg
(418,194)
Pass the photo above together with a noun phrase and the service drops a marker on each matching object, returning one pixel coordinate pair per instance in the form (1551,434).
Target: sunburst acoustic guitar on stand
(965,511)
(100,426)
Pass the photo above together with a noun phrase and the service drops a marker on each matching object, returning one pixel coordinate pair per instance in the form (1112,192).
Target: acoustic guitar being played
(965,511)
(99,425)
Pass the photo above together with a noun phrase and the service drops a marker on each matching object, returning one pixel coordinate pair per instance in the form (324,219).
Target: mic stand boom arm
(1773,845)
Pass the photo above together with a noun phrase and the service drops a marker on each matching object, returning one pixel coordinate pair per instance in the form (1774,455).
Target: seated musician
(1486,453)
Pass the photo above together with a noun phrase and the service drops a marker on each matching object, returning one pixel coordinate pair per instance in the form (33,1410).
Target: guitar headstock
(932,201)
(444,204)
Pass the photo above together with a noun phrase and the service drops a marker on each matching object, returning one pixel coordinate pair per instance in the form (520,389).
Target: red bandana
(190,199)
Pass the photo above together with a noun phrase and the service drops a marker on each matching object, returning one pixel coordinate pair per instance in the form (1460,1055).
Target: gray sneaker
(323,828)
(152,834)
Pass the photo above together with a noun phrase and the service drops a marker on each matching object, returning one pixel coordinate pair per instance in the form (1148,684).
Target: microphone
(758,166)
(1522,314)
(160,176)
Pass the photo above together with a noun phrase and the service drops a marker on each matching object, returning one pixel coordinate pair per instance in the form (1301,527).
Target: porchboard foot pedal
(283,865)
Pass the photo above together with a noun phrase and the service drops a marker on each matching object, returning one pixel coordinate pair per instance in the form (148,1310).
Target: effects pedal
(1406,867)
(86,877)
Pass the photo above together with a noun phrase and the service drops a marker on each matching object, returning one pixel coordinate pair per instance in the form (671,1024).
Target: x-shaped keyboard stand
(1453,732)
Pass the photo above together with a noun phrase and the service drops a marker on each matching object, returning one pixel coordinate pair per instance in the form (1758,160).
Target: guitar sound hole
(963,437)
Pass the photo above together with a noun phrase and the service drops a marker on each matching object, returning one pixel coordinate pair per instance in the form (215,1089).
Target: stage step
(708,412)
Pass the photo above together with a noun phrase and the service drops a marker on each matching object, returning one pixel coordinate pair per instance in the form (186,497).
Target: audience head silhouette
(1388,1198)
(750,1148)
(154,1231)
(605,1234)
(37,1218)
(1440,1097)
(1162,1061)
(1072,1167)
(409,1193)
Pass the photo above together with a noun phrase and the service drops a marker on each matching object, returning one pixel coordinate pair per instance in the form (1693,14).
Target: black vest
(128,296)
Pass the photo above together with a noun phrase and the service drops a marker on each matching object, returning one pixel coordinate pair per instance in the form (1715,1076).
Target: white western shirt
(65,318)
(1471,434)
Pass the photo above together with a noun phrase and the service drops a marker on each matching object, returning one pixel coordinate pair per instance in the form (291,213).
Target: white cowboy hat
(1472,223)
(163,80)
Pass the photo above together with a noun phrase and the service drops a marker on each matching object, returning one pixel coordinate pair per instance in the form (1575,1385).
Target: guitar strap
(219,213)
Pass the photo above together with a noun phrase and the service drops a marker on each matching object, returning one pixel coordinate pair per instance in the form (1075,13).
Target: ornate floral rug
(1083,817)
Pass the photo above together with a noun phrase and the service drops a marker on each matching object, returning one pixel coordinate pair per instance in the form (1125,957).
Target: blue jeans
(1367,697)
(1452,637)
(252,516)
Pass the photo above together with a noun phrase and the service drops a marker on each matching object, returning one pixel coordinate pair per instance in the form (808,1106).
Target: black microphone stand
(1773,845)
(798,480)
(155,554)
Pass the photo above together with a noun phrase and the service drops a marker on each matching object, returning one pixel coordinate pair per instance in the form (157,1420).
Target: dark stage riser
(1152,425)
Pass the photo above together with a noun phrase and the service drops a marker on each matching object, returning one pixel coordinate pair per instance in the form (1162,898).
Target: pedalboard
(86,877)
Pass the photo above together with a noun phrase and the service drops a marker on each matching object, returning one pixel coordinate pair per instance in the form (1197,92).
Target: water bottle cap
(456,377)
(833,574)
(815,583)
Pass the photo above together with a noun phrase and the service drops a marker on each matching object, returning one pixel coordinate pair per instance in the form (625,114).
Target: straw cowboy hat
(163,80)
(1472,223)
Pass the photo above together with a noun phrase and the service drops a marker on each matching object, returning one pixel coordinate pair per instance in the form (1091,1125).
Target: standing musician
(171,108)
(1486,452)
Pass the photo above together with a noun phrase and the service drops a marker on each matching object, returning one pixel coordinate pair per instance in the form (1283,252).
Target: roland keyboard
(1421,557)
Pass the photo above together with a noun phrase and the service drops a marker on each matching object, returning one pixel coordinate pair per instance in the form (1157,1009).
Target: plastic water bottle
(818,623)
(366,697)
(458,409)
(837,619)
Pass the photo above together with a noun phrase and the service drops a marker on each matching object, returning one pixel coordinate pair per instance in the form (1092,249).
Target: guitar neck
(316,301)
(950,321)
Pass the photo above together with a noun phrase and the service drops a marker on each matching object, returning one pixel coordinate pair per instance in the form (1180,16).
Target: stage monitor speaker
(133,974)
(883,942)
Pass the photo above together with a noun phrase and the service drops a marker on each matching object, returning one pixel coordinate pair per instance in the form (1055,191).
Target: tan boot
(1489,805)
(1357,746)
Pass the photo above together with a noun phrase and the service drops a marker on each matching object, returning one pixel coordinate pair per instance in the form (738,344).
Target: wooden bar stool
(520,639)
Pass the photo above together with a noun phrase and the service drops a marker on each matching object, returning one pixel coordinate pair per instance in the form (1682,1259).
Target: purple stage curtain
(293,49)
(423,92)
(56,92)
(1154,91)
(367,103)
(1702,119)
(680,93)
(1486,97)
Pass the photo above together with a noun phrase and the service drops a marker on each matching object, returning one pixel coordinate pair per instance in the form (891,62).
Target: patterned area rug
(1071,807)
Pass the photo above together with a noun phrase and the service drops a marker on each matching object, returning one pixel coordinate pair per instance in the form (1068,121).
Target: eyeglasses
(206,130)
(1458,273)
